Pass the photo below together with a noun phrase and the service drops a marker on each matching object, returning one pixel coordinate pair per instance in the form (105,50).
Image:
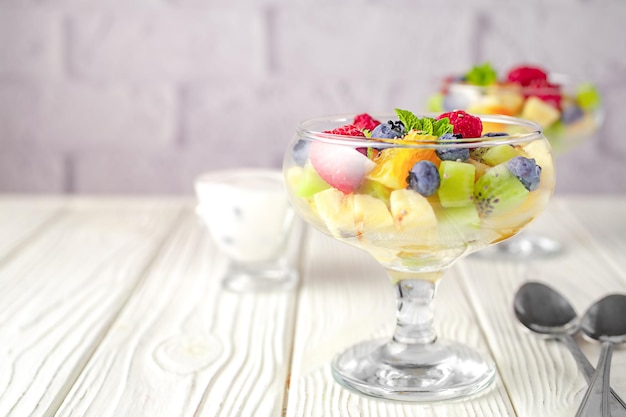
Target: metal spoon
(604,321)
(543,310)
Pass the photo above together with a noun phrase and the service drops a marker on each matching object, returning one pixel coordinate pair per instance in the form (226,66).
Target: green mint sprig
(424,125)
(481,75)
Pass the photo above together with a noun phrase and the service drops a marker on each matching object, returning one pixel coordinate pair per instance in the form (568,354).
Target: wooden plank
(61,292)
(541,377)
(21,218)
(346,298)
(183,346)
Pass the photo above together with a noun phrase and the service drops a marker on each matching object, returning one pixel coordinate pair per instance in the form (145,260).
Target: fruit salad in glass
(569,112)
(417,194)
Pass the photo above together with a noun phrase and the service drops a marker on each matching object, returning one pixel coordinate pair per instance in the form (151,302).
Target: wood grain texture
(113,307)
(60,293)
(541,377)
(346,298)
(183,346)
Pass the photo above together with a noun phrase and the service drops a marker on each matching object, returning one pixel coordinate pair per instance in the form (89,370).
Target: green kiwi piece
(456,183)
(311,183)
(458,224)
(498,154)
(459,216)
(375,189)
(498,191)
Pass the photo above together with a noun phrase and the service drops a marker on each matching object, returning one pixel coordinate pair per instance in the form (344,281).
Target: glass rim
(532,132)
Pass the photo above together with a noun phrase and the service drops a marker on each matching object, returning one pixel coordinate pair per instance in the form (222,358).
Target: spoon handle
(584,365)
(618,407)
(596,400)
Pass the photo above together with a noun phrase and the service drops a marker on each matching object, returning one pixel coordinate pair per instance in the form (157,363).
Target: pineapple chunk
(350,215)
(540,112)
(411,210)
(336,209)
(479,166)
(370,213)
(541,153)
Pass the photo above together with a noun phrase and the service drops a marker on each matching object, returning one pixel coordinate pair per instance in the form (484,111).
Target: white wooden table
(113,307)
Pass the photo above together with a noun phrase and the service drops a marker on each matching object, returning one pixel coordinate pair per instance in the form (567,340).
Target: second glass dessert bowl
(569,111)
(417,203)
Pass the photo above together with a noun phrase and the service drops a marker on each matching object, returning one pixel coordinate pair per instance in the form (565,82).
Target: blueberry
(452,154)
(301,151)
(526,170)
(494,134)
(424,178)
(571,114)
(389,130)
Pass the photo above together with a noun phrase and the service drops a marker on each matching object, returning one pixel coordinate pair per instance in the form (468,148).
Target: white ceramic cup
(250,218)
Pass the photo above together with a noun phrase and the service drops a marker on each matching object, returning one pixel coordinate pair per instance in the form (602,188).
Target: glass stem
(414,308)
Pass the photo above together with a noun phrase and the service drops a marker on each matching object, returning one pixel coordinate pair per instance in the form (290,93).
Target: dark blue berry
(571,114)
(494,134)
(389,130)
(452,154)
(526,170)
(301,151)
(424,178)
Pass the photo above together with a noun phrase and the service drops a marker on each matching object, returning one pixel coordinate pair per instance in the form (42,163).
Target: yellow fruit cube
(540,112)
(336,210)
(411,210)
(370,213)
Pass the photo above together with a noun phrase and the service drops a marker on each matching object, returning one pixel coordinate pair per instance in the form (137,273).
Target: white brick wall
(139,96)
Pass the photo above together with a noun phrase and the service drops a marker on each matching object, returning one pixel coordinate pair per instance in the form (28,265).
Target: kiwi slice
(457,183)
(477,153)
(498,191)
(498,154)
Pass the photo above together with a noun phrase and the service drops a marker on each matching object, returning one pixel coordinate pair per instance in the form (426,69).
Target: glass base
(523,246)
(438,371)
(242,280)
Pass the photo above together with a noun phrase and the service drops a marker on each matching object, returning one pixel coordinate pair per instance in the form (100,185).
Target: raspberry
(464,123)
(545,91)
(365,121)
(347,130)
(525,75)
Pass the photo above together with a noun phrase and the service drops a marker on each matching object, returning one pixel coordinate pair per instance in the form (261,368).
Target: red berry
(365,121)
(347,130)
(525,75)
(464,123)
(546,91)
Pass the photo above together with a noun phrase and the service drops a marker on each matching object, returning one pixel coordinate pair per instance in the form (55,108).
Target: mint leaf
(481,75)
(367,133)
(408,119)
(442,126)
(427,126)
(424,125)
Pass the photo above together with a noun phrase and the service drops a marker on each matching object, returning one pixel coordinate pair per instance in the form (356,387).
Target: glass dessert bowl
(568,112)
(417,194)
